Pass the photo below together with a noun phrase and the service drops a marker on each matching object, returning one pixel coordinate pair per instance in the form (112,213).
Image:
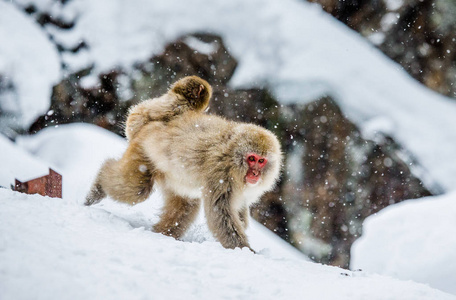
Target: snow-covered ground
(56,249)
(412,240)
(59,249)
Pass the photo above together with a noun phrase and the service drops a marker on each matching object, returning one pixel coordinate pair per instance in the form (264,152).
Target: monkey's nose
(255,173)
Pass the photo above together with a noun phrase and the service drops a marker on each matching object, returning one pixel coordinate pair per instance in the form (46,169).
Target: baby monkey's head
(196,91)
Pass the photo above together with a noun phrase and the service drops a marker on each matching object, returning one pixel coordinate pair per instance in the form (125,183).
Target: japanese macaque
(192,158)
(189,93)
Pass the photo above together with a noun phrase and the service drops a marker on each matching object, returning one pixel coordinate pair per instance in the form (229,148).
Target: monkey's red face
(256,164)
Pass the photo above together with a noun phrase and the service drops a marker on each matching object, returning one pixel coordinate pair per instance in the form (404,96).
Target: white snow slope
(411,240)
(59,249)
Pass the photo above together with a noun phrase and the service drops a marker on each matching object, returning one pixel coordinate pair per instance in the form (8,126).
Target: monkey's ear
(201,88)
(195,90)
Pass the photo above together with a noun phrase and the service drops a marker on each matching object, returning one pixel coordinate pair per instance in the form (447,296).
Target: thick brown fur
(188,93)
(127,179)
(194,157)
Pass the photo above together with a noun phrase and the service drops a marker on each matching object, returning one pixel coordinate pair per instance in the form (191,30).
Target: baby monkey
(188,93)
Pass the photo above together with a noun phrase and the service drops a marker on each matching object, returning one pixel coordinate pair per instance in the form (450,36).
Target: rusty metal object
(49,185)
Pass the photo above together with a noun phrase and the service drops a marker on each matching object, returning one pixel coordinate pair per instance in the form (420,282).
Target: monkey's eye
(261,160)
(251,158)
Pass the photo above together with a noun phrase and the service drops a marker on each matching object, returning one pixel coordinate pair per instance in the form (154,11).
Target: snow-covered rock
(31,64)
(413,240)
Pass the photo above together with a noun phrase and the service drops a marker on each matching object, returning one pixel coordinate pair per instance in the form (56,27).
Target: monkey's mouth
(252,177)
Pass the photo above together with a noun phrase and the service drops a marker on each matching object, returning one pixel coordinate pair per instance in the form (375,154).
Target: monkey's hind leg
(129,179)
(97,193)
(177,216)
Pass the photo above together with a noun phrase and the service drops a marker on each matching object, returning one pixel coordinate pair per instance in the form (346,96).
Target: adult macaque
(193,157)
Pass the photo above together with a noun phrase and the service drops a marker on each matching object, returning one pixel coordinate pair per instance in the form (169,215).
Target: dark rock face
(106,104)
(101,105)
(333,179)
(182,58)
(418,34)
(344,179)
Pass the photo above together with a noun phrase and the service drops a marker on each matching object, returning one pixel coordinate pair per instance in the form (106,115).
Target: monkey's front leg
(177,216)
(244,216)
(223,221)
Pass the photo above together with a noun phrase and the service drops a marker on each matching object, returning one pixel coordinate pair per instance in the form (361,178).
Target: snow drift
(411,240)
